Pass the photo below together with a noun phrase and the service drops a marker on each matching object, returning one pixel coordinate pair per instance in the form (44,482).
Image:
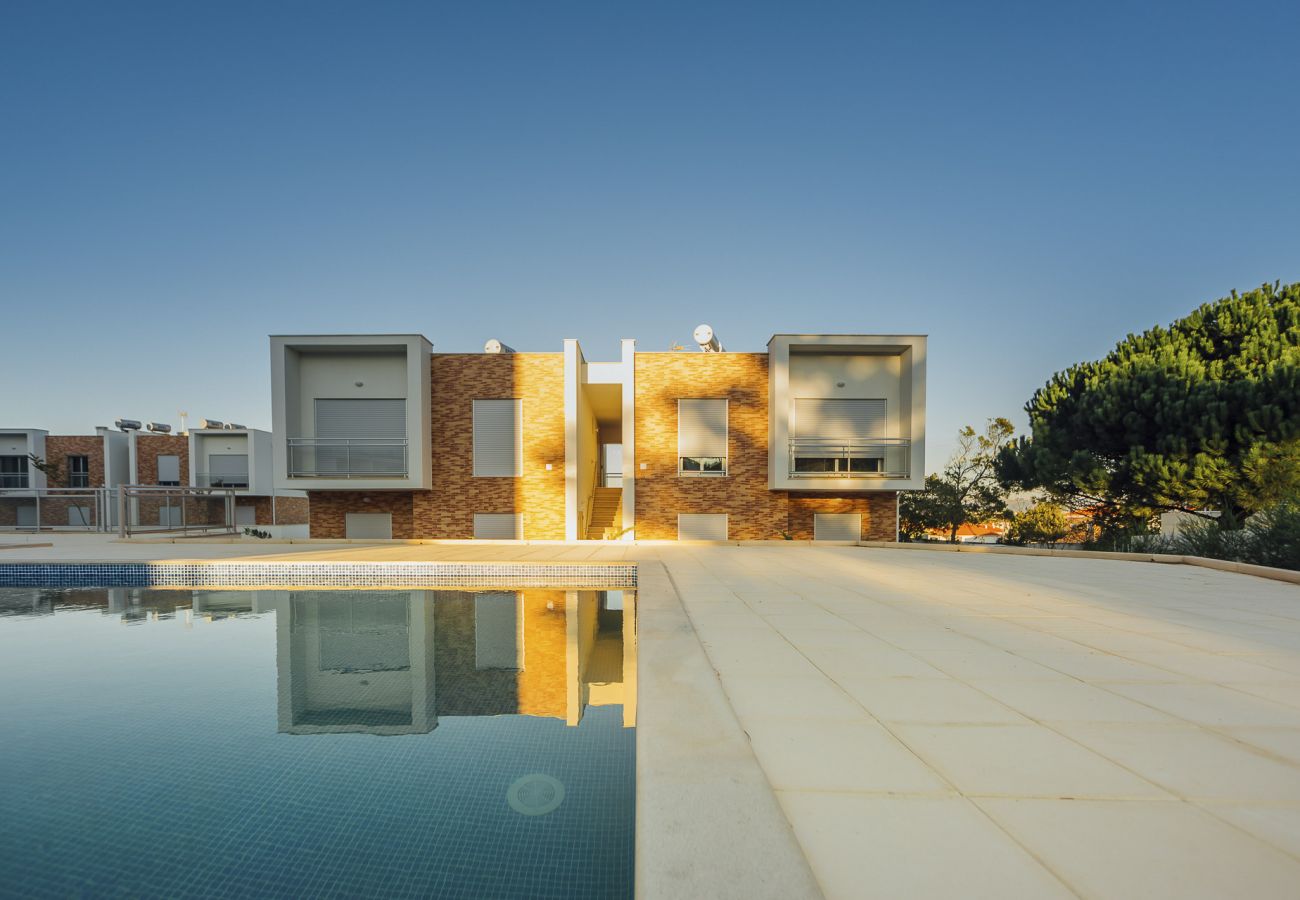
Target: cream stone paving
(942,724)
(1059,702)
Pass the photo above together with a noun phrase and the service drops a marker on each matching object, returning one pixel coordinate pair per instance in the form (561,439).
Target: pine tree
(1202,414)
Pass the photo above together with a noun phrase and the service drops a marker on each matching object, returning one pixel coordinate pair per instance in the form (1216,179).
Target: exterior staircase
(606,514)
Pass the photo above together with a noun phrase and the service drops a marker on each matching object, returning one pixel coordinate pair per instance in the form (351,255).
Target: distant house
(970,533)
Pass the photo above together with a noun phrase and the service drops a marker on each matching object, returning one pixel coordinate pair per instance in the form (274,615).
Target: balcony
(221,480)
(829,458)
(347,458)
(15,480)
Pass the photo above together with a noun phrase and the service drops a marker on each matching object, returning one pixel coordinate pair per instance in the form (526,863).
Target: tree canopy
(966,491)
(1202,414)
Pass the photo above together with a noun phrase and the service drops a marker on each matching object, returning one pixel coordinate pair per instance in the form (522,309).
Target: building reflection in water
(394,662)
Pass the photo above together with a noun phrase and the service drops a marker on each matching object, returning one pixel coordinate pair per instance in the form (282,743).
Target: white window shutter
(837,526)
(498,438)
(361,418)
(226,464)
(499,526)
(702,428)
(850,421)
(169,467)
(702,527)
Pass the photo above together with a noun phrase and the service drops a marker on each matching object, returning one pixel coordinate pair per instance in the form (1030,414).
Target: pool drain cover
(535,795)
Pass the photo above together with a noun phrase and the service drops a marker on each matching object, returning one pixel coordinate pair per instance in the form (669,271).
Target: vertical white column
(629,439)
(572,384)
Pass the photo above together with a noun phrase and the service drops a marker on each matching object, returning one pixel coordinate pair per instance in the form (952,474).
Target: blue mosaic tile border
(322,574)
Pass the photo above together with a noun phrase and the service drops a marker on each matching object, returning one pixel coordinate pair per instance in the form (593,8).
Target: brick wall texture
(754,512)
(149,447)
(288,510)
(59,447)
(447,510)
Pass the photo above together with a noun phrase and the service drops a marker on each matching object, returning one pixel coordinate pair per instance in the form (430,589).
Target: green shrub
(1042,523)
(1274,536)
(1271,537)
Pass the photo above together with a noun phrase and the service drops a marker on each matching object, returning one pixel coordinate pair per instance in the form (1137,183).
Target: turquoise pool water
(321,743)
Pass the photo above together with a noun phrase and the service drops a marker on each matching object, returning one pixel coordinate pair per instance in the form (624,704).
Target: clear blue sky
(1026,183)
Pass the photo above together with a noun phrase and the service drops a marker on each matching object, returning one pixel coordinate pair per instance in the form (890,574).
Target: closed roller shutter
(837,527)
(498,438)
(702,527)
(365,421)
(499,526)
(361,418)
(368,526)
(702,428)
(850,421)
(169,469)
(498,631)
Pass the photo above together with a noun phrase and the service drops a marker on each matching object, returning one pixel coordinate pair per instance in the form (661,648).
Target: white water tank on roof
(495,346)
(707,340)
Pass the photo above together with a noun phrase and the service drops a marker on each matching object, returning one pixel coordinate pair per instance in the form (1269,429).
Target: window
(13,471)
(698,527)
(364,436)
(169,469)
(499,526)
(702,437)
(839,437)
(78,471)
(226,470)
(498,438)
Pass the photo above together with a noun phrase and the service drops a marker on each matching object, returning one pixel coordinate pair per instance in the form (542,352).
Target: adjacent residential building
(75,487)
(812,439)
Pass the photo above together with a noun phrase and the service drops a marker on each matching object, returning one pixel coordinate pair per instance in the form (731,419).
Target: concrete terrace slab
(938,724)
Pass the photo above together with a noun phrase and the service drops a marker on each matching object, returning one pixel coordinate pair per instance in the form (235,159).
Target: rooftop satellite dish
(707,340)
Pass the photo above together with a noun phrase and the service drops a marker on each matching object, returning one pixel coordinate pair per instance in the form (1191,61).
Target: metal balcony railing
(347,458)
(830,458)
(15,480)
(210,479)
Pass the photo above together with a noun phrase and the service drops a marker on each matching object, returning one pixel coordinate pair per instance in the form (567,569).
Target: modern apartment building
(76,486)
(812,439)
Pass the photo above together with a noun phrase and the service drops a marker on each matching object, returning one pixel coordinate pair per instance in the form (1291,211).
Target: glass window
(702,437)
(78,471)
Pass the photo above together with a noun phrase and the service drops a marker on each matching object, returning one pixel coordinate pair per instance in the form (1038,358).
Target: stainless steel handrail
(208,479)
(894,455)
(353,462)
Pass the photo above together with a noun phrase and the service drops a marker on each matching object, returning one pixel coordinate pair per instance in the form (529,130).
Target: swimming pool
(278,742)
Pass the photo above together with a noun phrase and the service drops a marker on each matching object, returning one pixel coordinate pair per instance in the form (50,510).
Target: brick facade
(59,447)
(878,511)
(754,512)
(62,509)
(447,510)
(328,510)
(288,510)
(149,447)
